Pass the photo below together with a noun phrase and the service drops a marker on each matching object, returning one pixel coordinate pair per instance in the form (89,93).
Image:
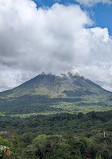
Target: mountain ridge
(50,78)
(47,93)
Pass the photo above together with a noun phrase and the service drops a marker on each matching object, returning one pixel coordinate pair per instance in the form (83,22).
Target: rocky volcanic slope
(48,94)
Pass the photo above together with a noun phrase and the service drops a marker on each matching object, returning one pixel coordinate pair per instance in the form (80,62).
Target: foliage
(43,119)
(60,136)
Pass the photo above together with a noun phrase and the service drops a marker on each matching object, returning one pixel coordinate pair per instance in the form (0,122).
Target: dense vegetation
(59,136)
(43,119)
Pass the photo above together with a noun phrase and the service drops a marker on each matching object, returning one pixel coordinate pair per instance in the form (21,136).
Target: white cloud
(100,72)
(93,2)
(51,40)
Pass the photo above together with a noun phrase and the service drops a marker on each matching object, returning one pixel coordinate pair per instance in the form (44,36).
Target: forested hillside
(52,117)
(61,136)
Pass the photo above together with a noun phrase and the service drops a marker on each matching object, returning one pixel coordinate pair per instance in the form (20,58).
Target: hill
(50,94)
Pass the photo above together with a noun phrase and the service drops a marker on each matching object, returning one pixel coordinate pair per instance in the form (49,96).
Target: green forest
(59,136)
(56,117)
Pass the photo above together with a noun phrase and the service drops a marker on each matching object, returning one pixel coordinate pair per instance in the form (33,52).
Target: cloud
(55,40)
(93,2)
(9,78)
(101,73)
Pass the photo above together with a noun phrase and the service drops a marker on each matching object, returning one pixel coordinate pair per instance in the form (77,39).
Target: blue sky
(103,15)
(100,13)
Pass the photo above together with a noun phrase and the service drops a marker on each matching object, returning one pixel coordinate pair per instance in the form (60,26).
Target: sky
(55,36)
